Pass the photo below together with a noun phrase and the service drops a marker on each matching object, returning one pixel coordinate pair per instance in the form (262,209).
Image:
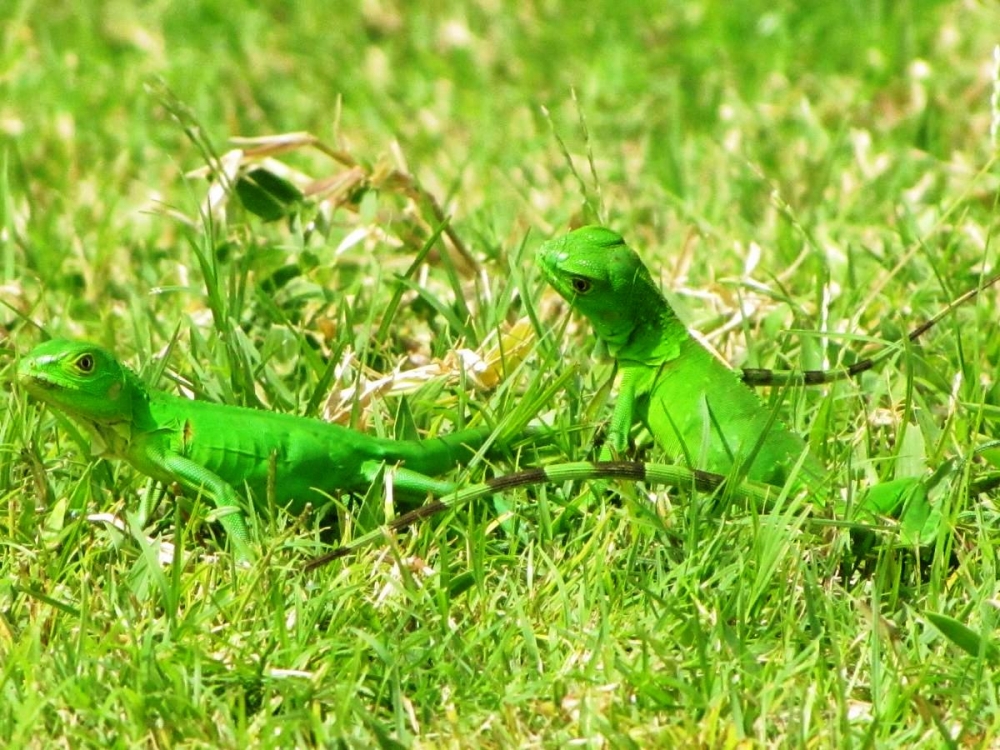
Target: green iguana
(218,451)
(696,408)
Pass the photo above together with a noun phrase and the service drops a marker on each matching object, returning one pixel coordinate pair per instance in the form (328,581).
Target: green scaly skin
(214,451)
(696,408)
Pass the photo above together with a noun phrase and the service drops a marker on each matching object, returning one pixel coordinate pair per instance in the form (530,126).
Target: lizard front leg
(196,479)
(623,416)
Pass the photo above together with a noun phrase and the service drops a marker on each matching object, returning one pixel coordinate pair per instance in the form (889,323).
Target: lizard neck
(113,437)
(653,336)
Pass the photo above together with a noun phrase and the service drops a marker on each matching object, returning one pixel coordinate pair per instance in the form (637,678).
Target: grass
(828,171)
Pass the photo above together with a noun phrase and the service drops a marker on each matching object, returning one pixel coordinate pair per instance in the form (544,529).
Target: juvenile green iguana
(218,451)
(696,408)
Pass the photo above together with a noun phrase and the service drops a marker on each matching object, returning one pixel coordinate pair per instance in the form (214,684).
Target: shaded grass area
(802,179)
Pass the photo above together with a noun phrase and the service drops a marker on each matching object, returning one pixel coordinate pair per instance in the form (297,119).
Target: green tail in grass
(756,493)
(759,495)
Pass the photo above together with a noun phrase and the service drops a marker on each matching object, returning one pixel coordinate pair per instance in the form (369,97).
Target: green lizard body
(217,451)
(696,408)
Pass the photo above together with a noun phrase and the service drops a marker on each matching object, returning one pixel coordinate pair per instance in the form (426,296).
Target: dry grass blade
(485,368)
(331,191)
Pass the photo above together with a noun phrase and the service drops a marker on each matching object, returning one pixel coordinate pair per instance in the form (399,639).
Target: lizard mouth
(35,383)
(29,380)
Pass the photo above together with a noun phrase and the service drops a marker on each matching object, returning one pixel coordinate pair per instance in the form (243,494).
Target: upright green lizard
(695,407)
(216,450)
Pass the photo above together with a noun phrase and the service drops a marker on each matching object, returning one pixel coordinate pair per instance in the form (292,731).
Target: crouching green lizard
(216,451)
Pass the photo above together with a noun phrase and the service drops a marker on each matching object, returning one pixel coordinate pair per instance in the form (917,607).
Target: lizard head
(80,379)
(602,278)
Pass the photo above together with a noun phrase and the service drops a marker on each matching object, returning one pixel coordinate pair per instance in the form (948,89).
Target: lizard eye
(85,363)
(580,285)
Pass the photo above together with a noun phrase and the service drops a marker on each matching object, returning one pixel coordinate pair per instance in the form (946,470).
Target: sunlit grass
(801,180)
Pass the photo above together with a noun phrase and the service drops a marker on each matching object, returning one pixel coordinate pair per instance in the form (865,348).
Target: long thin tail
(679,476)
(758,377)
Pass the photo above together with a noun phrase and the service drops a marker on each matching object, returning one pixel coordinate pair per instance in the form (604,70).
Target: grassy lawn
(807,183)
